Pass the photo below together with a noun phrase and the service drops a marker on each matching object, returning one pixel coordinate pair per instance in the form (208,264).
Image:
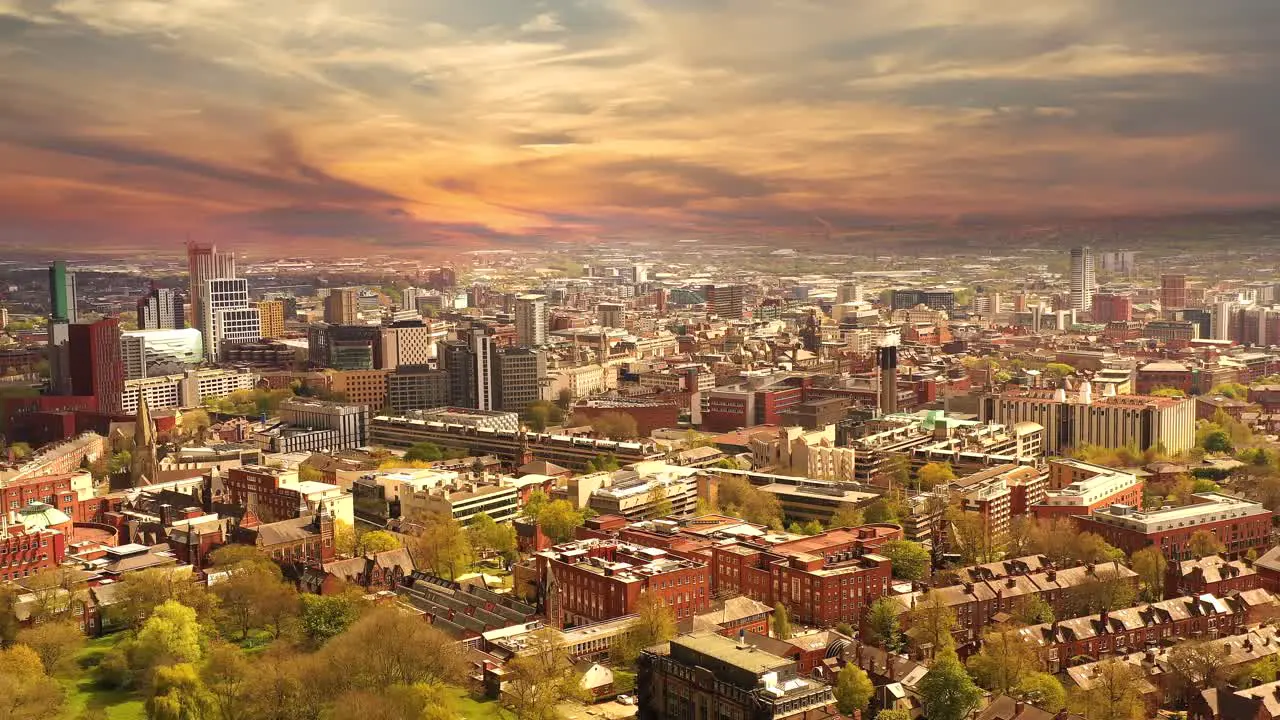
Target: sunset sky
(428,121)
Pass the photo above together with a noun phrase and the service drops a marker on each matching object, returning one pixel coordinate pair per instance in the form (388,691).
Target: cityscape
(639,359)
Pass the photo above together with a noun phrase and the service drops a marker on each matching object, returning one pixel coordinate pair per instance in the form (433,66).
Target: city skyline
(429,124)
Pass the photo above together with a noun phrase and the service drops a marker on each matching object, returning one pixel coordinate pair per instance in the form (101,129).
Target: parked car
(626,699)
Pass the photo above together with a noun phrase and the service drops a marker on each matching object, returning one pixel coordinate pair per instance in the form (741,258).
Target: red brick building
(1240,525)
(257,488)
(728,408)
(306,541)
(56,490)
(1079,488)
(1108,308)
(825,579)
(26,551)
(590,581)
(1213,575)
(97,368)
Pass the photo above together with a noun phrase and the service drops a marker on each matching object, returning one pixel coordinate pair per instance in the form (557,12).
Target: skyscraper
(228,316)
(531,320)
(271,314)
(62,293)
(340,308)
(162,309)
(725,301)
(888,361)
(96,366)
(1084,279)
(204,263)
(1173,292)
(486,379)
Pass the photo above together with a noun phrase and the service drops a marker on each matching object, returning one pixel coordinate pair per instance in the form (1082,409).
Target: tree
(326,616)
(1106,590)
(558,519)
(1198,664)
(344,538)
(1169,392)
(946,691)
(423,701)
(930,623)
(171,636)
(440,543)
(19,450)
(1041,690)
(1005,659)
(229,556)
(541,677)
(247,594)
(376,541)
(537,500)
(934,474)
(1034,611)
(26,692)
(1218,441)
(1235,391)
(739,498)
(178,694)
(910,561)
(1092,548)
(781,622)
(55,642)
(541,413)
(1059,370)
(362,657)
(226,677)
(487,535)
(613,425)
(973,537)
(1151,566)
(853,690)
(847,516)
(655,624)
(425,452)
(55,593)
(661,503)
(1204,543)
(1115,694)
(883,628)
(603,463)
(138,594)
(894,714)
(564,399)
(9,625)
(195,425)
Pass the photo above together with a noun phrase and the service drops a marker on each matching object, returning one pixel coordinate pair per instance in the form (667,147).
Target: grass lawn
(470,708)
(82,693)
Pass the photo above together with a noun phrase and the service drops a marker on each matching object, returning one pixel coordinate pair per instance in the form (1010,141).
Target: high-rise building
(482,352)
(62,293)
(888,362)
(342,306)
(848,292)
(406,343)
(1173,292)
(409,298)
(1111,307)
(205,263)
(1084,279)
(417,388)
(519,372)
(531,320)
(1222,314)
(4,317)
(228,315)
(611,315)
(160,352)
(344,347)
(162,309)
(271,317)
(458,361)
(96,367)
(725,301)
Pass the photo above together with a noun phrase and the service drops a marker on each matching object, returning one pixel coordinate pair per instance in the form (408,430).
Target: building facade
(1240,525)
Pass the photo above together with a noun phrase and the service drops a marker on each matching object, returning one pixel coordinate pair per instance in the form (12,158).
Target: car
(626,700)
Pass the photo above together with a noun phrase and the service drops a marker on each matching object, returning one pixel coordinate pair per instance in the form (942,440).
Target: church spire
(142,463)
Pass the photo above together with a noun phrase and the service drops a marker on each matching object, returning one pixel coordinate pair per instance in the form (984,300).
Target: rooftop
(748,658)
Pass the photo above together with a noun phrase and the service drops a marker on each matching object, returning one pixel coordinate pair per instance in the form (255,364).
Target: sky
(440,122)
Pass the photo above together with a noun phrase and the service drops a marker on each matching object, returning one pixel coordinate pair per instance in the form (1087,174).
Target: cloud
(513,120)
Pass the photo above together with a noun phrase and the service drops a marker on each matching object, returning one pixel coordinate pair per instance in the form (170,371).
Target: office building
(363,387)
(458,361)
(1078,488)
(725,301)
(162,309)
(341,307)
(707,676)
(463,501)
(1111,307)
(1240,525)
(345,424)
(519,375)
(1173,292)
(271,319)
(637,492)
(164,352)
(483,351)
(205,263)
(531,320)
(409,298)
(1084,280)
(410,342)
(417,388)
(62,313)
(62,293)
(228,315)
(1120,262)
(96,366)
(1172,331)
(344,347)
(887,360)
(184,390)
(1078,419)
(934,299)
(848,293)
(611,315)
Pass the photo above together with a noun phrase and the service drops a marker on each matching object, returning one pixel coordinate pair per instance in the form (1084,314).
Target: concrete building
(344,425)
(1240,525)
(162,309)
(1084,280)
(417,388)
(531,320)
(520,374)
(205,263)
(1072,421)
(636,492)
(463,501)
(1078,488)
(407,343)
(189,389)
(363,387)
(725,301)
(341,307)
(710,676)
(228,315)
(271,319)
(611,315)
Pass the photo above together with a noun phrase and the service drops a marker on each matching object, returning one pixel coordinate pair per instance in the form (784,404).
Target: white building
(531,320)
(1084,280)
(228,315)
(189,389)
(143,350)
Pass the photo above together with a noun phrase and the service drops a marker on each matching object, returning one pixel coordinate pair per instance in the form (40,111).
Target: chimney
(1018,708)
(1052,575)
(1010,582)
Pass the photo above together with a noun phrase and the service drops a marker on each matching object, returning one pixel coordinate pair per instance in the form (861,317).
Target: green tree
(19,450)
(853,690)
(1114,695)
(362,657)
(883,628)
(558,519)
(171,636)
(26,691)
(946,691)
(9,625)
(910,561)
(440,543)
(1005,659)
(655,623)
(1235,391)
(540,678)
(1204,543)
(1151,566)
(1041,690)
(327,616)
(661,503)
(246,594)
(195,425)
(537,500)
(613,425)
(376,541)
(847,517)
(1218,441)
(1198,664)
(894,714)
(934,474)
(1168,392)
(178,694)
(603,463)
(739,498)
(226,677)
(930,623)
(781,622)
(55,642)
(1059,370)
(424,452)
(1035,611)
(491,536)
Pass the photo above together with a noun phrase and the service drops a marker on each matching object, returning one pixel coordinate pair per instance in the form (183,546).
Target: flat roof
(750,658)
